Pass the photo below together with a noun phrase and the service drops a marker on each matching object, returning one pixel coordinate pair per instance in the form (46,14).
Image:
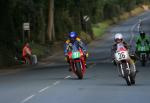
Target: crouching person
(27,55)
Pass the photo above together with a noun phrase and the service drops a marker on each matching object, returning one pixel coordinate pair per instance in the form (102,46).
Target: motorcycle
(143,56)
(122,59)
(77,61)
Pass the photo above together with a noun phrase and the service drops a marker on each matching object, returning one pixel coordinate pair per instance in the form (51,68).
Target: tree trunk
(50,29)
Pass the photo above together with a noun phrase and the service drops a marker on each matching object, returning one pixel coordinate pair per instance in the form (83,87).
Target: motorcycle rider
(119,40)
(74,38)
(142,39)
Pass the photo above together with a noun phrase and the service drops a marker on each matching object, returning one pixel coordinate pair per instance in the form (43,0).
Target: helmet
(119,37)
(142,34)
(73,34)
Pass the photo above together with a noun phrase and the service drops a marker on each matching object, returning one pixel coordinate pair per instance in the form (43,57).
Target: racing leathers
(142,42)
(115,48)
(80,44)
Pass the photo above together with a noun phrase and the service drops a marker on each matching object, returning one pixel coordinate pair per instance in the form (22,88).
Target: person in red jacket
(27,53)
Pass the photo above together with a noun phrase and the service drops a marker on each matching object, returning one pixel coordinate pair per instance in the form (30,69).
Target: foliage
(100,28)
(68,16)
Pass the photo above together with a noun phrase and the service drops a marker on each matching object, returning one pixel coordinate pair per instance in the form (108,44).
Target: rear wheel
(79,70)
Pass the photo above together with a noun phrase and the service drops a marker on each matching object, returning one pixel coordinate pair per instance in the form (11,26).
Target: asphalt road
(101,84)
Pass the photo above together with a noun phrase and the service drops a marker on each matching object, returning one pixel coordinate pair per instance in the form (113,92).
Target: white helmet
(118,36)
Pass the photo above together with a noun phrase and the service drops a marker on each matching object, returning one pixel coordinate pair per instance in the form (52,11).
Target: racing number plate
(75,55)
(121,55)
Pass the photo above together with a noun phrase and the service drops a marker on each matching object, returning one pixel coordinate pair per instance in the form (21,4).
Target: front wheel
(128,80)
(79,70)
(127,77)
(132,77)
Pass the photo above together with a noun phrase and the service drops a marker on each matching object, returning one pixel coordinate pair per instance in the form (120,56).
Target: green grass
(100,28)
(39,50)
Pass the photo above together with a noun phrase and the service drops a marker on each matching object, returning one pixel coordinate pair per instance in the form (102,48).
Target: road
(101,84)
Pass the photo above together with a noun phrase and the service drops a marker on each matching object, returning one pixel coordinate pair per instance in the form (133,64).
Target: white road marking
(57,82)
(28,98)
(67,77)
(44,89)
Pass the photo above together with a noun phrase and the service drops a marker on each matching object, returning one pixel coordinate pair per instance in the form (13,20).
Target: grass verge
(100,28)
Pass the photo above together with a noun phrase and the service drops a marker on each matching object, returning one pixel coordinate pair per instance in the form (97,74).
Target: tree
(50,29)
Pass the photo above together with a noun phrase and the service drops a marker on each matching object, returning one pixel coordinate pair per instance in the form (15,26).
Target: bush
(85,37)
(100,28)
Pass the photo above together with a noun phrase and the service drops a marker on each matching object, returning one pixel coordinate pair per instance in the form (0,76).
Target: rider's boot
(85,64)
(133,68)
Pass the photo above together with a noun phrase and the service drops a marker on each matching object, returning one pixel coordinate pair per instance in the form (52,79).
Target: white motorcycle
(122,59)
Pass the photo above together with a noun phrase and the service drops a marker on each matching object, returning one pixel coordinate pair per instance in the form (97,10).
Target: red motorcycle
(77,61)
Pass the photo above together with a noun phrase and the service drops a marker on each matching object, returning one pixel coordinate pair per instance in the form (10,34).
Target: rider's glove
(66,56)
(70,44)
(86,53)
